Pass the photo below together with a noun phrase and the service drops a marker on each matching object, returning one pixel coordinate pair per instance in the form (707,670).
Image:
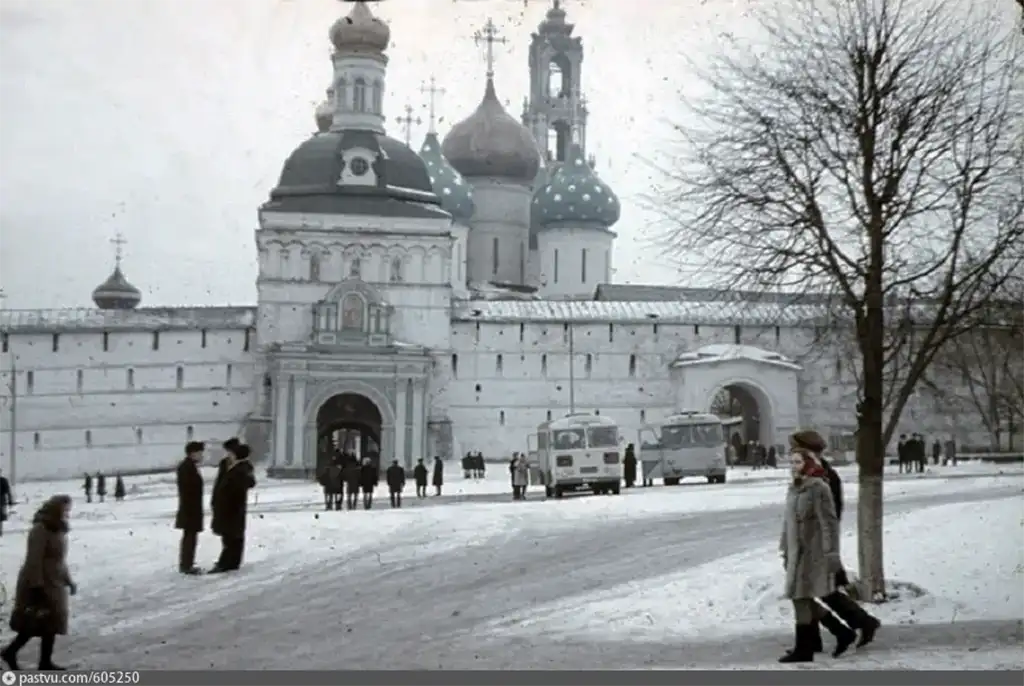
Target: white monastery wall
(123,400)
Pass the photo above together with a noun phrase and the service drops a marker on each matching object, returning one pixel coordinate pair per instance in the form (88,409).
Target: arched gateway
(755,388)
(350,416)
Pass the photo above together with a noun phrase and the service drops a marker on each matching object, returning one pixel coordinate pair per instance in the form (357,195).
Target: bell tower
(555,111)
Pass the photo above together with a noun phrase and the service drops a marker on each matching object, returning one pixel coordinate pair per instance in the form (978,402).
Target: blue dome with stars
(574,196)
(456,195)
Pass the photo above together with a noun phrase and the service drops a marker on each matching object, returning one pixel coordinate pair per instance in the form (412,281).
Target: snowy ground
(484,576)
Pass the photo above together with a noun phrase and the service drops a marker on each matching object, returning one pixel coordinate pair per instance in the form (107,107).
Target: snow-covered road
(426,595)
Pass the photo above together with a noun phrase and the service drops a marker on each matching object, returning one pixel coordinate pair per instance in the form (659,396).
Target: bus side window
(542,440)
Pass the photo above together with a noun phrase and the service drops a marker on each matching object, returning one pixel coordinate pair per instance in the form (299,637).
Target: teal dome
(456,195)
(575,196)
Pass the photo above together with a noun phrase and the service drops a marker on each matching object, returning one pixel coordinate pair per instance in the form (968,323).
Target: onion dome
(360,31)
(575,196)
(116,293)
(456,195)
(491,143)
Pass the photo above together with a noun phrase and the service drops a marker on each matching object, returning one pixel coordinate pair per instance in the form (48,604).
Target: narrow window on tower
(522,332)
(549,415)
(544,364)
(179,380)
(247,340)
(522,263)
(778,334)
(130,379)
(643,415)
(106,342)
(56,342)
(156,340)
(632,366)
(30,382)
(554,270)
(202,338)
(227,376)
(494,256)
(79,380)
(611,333)
(499,364)
(589,364)
(583,265)
(190,432)
(37,440)
(5,343)
(359,95)
(501,418)
(455,366)
(737,335)
(88,439)
(138,436)
(378,97)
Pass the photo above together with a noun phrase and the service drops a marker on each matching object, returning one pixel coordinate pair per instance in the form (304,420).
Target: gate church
(420,304)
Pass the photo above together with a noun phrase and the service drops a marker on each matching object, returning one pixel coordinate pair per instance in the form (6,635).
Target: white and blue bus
(577,452)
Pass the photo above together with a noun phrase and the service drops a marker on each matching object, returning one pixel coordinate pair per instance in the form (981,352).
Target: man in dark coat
(438,477)
(331,482)
(420,475)
(903,453)
(351,473)
(6,500)
(189,519)
(842,605)
(229,446)
(395,476)
(87,488)
(936,452)
(629,466)
(232,509)
(101,486)
(119,491)
(369,477)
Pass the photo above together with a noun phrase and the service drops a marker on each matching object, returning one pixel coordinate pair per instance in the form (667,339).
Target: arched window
(341,93)
(396,269)
(355,269)
(378,97)
(353,313)
(314,267)
(359,95)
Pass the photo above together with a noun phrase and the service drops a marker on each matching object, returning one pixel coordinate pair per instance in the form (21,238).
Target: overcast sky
(169,120)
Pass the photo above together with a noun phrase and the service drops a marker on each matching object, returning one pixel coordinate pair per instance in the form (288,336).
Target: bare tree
(870,151)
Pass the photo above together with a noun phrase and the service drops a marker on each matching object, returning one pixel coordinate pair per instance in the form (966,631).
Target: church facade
(419,304)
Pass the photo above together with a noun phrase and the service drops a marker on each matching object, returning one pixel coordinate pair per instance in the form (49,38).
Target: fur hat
(231,444)
(194,447)
(241,451)
(808,440)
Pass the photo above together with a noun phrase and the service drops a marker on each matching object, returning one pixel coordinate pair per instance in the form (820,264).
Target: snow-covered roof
(141,319)
(653,312)
(721,352)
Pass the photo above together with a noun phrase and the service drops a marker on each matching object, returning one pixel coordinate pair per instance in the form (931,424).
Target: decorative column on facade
(298,446)
(400,420)
(419,422)
(282,456)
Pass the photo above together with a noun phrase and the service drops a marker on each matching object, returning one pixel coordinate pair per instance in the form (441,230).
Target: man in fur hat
(236,476)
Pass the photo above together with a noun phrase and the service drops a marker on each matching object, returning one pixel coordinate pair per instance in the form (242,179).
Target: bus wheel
(558,491)
(671,482)
(548,491)
(616,489)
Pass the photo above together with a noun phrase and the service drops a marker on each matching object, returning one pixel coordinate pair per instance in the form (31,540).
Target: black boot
(815,639)
(845,636)
(9,655)
(803,651)
(46,655)
(867,631)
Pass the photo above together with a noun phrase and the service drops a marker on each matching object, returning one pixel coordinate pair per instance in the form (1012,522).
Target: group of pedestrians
(809,546)
(912,453)
(346,478)
(100,482)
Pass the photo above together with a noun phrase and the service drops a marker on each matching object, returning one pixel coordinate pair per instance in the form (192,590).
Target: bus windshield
(603,437)
(691,436)
(568,439)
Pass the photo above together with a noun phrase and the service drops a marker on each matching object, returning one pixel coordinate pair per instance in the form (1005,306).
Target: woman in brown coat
(44,583)
(810,549)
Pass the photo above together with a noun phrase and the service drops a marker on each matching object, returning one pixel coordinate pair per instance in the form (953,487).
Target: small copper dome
(116,293)
(360,31)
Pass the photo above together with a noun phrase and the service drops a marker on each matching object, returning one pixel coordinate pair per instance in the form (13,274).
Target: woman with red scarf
(810,549)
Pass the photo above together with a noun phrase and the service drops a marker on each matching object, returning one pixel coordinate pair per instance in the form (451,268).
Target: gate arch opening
(348,423)
(746,412)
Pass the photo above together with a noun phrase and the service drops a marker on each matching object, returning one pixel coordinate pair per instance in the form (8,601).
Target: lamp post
(572,368)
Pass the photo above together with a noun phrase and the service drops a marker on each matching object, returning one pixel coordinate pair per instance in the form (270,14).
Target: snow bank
(967,557)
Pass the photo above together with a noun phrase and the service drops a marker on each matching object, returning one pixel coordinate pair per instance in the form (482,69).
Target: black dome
(313,178)
(116,293)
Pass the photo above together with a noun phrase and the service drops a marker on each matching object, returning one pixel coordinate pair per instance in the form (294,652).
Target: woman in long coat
(809,546)
(44,584)
(520,477)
